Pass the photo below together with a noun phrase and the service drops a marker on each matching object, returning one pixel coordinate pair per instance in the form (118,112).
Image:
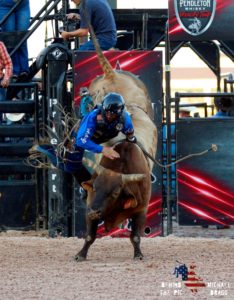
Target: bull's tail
(103,61)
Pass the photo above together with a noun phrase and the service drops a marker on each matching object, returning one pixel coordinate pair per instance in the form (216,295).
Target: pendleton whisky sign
(195,16)
(201,20)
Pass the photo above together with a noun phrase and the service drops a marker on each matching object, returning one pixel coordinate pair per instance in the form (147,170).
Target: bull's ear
(87,185)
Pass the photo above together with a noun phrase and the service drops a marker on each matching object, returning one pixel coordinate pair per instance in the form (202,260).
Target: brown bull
(118,190)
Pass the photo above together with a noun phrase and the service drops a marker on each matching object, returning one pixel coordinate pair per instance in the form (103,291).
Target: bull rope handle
(212,148)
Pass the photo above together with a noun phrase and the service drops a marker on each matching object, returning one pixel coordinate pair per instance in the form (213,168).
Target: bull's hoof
(94,214)
(138,256)
(79,258)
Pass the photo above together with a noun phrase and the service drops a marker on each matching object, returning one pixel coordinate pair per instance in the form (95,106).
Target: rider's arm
(85,133)
(128,128)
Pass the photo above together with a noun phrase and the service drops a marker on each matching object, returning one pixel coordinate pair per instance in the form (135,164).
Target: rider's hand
(110,153)
(132,139)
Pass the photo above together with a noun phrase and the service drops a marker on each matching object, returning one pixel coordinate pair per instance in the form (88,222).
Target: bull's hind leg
(138,221)
(90,238)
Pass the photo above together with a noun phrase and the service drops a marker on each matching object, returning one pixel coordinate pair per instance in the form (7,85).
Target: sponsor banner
(147,65)
(205,183)
(198,20)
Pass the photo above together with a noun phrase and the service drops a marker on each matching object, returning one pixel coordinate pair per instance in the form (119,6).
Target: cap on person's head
(14,117)
(84,91)
(187,109)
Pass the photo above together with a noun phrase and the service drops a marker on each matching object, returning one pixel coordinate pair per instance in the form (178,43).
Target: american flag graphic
(189,276)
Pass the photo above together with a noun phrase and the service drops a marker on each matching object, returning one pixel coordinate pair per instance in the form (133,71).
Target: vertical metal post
(59,187)
(37,172)
(225,85)
(144,38)
(56,23)
(168,125)
(218,69)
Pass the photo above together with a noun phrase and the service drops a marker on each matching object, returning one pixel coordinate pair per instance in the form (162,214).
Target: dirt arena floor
(34,266)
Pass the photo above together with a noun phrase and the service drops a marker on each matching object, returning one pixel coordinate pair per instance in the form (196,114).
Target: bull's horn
(132,177)
(91,164)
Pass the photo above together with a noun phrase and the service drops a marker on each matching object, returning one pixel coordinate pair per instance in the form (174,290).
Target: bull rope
(212,148)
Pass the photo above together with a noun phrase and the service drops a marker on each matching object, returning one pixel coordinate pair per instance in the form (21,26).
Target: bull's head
(108,190)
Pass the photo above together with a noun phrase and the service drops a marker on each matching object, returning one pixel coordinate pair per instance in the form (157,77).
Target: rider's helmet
(113,103)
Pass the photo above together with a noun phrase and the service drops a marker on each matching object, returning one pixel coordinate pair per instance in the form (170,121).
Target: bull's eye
(115,193)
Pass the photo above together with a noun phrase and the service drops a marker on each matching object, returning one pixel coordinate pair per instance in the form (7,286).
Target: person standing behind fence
(223,107)
(19,20)
(99,14)
(5,72)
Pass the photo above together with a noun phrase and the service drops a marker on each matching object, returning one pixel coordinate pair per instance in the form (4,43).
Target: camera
(70,25)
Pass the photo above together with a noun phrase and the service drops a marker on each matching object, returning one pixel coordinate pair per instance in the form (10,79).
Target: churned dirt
(34,266)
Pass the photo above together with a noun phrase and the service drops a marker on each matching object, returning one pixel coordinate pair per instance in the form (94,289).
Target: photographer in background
(99,14)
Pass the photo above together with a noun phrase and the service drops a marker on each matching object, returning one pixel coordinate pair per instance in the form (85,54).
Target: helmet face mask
(114,111)
(113,105)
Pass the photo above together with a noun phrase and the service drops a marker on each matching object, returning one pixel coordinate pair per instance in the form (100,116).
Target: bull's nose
(95,206)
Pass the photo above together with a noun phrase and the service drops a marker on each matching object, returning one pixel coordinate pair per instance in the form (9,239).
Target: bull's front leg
(90,238)
(138,222)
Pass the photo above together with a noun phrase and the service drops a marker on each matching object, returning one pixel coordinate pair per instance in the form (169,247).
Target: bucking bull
(115,182)
(113,185)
